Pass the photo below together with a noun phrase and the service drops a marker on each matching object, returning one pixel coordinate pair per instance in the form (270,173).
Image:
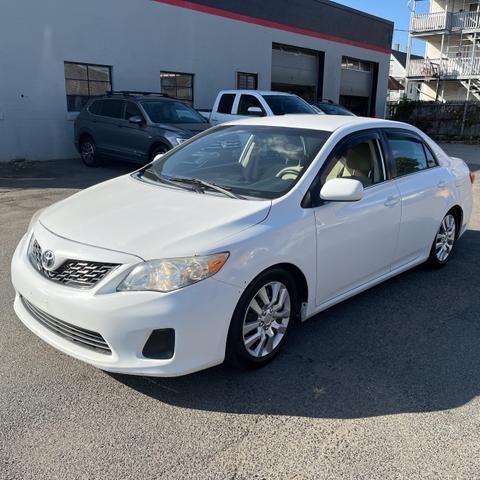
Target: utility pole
(410,40)
(465,110)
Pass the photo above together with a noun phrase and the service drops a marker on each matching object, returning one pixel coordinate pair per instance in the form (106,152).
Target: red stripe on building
(267,23)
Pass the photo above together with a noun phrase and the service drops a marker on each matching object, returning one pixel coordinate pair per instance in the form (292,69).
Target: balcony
(456,68)
(438,22)
(465,21)
(430,22)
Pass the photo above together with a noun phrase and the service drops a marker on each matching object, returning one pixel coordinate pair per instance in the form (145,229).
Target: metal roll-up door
(295,70)
(356,85)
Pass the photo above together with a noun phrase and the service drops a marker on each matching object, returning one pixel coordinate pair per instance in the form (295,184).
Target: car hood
(150,220)
(184,128)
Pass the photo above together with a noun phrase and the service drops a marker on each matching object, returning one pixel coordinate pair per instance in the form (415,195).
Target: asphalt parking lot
(385,385)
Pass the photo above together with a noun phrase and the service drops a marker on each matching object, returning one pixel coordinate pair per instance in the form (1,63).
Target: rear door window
(112,108)
(408,153)
(226,103)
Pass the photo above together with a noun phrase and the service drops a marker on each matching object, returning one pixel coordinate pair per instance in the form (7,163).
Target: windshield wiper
(162,179)
(202,184)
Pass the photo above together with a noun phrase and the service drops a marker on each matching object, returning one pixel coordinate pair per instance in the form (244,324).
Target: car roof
(137,97)
(260,92)
(324,102)
(328,123)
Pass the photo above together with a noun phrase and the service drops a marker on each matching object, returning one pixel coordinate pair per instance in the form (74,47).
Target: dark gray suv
(134,126)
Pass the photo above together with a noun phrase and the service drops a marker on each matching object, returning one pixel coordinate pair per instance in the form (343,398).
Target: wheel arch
(299,278)
(83,135)
(458,212)
(155,145)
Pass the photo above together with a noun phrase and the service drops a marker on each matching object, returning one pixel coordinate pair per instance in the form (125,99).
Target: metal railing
(465,21)
(458,67)
(423,68)
(440,21)
(428,22)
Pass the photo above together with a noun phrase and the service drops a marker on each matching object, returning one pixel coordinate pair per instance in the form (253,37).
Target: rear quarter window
(431,160)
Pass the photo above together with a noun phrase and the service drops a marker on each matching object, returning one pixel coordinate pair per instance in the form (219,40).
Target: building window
(247,81)
(178,85)
(349,63)
(84,80)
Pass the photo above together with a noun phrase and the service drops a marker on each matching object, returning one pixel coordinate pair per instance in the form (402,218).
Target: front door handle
(442,184)
(392,200)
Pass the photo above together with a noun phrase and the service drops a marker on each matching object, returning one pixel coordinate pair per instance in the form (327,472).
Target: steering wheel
(289,171)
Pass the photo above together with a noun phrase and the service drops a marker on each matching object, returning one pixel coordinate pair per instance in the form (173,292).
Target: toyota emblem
(48,259)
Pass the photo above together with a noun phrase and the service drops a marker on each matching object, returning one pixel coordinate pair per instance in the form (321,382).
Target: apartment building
(450,29)
(398,75)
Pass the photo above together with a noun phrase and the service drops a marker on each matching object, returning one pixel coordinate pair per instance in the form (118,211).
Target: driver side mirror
(136,119)
(255,112)
(342,190)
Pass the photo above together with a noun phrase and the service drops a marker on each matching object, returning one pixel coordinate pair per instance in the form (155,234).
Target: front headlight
(171,274)
(175,139)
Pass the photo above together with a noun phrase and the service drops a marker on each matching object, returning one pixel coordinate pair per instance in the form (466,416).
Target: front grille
(73,273)
(82,336)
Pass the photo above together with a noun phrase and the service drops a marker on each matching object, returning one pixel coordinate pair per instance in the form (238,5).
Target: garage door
(356,85)
(295,70)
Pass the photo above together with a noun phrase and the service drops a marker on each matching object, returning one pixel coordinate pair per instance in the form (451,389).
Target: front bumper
(200,314)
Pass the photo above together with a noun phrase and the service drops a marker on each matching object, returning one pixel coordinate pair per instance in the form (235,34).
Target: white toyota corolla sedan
(219,246)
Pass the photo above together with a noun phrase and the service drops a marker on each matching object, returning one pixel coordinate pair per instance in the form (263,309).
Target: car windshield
(168,111)
(252,161)
(331,109)
(284,104)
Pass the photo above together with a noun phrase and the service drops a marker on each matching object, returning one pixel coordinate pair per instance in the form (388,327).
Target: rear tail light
(472,177)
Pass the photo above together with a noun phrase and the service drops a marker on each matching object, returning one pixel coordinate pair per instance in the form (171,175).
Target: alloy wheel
(88,152)
(266,319)
(445,238)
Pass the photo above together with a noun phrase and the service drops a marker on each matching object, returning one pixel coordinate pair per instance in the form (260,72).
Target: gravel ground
(383,386)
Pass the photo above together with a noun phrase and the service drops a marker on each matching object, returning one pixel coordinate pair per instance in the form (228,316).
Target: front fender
(286,236)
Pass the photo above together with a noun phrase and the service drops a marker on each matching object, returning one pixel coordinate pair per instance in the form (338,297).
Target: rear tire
(88,152)
(262,320)
(444,241)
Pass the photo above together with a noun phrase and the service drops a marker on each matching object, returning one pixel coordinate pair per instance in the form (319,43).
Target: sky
(394,10)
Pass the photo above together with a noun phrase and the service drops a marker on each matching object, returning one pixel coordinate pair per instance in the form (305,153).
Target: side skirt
(365,286)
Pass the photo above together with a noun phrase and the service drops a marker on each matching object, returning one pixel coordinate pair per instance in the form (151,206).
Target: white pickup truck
(234,104)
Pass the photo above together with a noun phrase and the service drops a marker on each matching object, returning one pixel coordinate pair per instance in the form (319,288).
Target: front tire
(160,150)
(262,320)
(444,242)
(88,152)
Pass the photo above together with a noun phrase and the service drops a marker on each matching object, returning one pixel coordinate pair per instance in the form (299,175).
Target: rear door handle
(442,184)
(392,200)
